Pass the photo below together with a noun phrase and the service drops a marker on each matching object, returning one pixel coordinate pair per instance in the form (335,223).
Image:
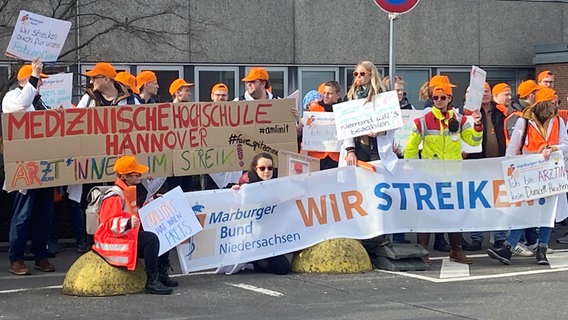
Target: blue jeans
(497,236)
(36,206)
(77,219)
(543,236)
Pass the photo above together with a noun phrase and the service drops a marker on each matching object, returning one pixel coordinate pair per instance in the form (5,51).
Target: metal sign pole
(392,67)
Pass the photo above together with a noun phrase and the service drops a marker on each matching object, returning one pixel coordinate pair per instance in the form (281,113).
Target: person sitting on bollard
(119,238)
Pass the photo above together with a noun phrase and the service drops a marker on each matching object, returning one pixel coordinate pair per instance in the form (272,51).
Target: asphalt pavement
(484,290)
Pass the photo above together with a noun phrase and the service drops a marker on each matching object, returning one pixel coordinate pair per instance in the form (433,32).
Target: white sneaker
(532,247)
(522,251)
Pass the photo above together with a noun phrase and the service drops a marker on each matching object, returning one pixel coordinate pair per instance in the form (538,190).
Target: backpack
(95,198)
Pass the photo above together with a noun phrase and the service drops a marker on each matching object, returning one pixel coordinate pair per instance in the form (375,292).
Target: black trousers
(148,248)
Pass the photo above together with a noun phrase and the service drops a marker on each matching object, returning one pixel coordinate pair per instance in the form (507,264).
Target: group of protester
(527,124)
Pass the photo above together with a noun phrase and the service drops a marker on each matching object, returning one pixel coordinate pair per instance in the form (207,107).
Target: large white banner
(37,36)
(291,213)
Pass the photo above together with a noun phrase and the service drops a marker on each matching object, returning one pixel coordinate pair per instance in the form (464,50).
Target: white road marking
(256,289)
(453,269)
(558,259)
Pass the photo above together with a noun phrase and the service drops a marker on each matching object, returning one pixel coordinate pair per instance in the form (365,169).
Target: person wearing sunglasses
(441,131)
(366,84)
(262,169)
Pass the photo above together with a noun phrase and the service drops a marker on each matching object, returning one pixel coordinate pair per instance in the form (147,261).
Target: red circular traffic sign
(396,6)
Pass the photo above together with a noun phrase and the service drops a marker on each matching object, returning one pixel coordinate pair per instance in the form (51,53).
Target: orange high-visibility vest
(534,142)
(116,244)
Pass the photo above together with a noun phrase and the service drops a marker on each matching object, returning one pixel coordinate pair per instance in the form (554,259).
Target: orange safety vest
(116,244)
(315,107)
(514,113)
(535,142)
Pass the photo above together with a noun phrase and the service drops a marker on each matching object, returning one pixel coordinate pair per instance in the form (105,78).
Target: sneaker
(44,265)
(541,256)
(19,268)
(522,251)
(498,244)
(533,247)
(503,255)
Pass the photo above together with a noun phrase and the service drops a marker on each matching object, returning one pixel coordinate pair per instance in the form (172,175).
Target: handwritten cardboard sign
(532,177)
(36,36)
(171,218)
(319,132)
(57,90)
(357,117)
(80,145)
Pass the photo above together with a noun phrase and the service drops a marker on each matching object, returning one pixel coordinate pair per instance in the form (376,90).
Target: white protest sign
(402,135)
(36,36)
(357,117)
(153,185)
(532,177)
(476,88)
(171,218)
(57,90)
(319,132)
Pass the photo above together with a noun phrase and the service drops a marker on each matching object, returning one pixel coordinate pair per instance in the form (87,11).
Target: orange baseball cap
(256,73)
(440,80)
(144,77)
(128,80)
(219,86)
(128,164)
(527,87)
(102,69)
(500,87)
(178,83)
(321,87)
(544,74)
(545,94)
(445,87)
(26,71)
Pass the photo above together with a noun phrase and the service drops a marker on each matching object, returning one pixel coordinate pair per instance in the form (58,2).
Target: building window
(166,75)
(207,77)
(413,81)
(312,77)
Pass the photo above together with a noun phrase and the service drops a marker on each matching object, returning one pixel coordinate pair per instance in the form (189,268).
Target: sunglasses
(443,98)
(270,168)
(356,74)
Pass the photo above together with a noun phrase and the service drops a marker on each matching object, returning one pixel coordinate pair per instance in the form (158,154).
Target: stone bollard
(92,276)
(333,256)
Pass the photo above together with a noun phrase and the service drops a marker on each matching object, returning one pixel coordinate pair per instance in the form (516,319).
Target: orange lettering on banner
(356,205)
(321,211)
(499,194)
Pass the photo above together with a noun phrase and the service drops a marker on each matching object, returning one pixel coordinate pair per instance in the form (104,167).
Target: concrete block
(333,256)
(92,276)
(397,251)
(410,264)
